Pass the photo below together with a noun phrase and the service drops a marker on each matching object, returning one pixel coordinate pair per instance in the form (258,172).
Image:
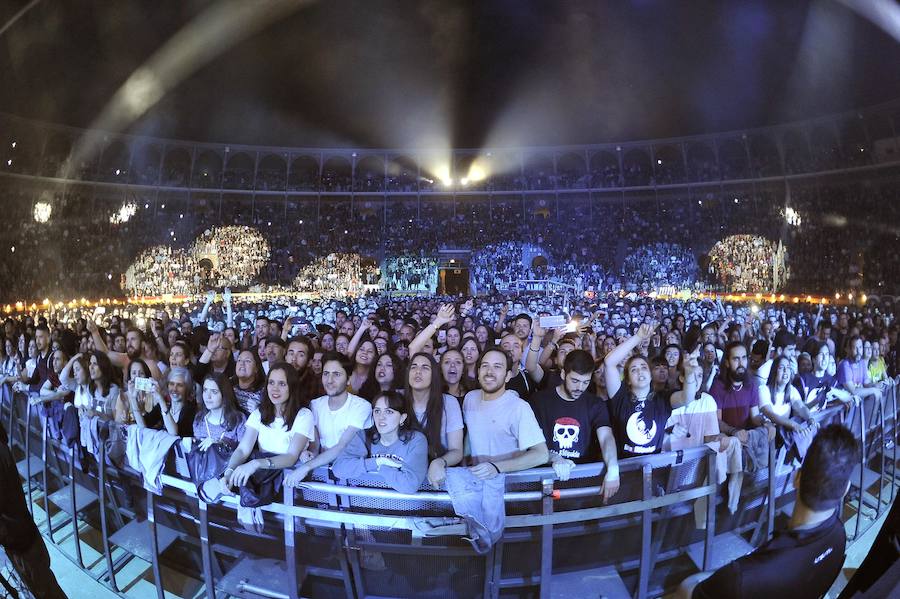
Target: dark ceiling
(509,72)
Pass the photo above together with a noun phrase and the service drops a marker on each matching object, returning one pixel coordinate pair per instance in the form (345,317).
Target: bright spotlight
(464,181)
(443,174)
(476,172)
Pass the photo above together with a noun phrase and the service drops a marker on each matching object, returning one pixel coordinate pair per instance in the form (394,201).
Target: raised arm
(357,336)
(621,353)
(531,360)
(444,315)
(229,314)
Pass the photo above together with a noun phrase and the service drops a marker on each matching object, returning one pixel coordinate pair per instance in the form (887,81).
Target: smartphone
(552,322)
(572,326)
(142,383)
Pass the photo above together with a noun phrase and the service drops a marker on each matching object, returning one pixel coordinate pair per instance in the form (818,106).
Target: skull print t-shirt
(570,425)
(639,426)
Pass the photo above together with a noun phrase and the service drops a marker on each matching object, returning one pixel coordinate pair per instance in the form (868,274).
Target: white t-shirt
(452,421)
(781,403)
(501,428)
(275,437)
(331,424)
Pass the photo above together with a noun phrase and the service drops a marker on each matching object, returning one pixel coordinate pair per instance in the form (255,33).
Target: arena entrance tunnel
(453,281)
(333,538)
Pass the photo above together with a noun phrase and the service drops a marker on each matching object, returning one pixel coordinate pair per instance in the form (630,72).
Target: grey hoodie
(358,462)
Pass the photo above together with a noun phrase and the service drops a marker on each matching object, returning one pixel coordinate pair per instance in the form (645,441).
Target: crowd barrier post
(73,505)
(711,479)
(290,544)
(28,407)
(546,538)
(205,549)
(770,508)
(892,391)
(154,544)
(12,413)
(104,524)
(862,465)
(45,442)
(646,533)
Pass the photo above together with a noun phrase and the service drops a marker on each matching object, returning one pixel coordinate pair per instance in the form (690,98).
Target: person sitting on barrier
(249,381)
(438,414)
(778,398)
(175,412)
(737,398)
(218,420)
(853,372)
(804,560)
(570,416)
(504,436)
(393,451)
(281,428)
(637,413)
(338,416)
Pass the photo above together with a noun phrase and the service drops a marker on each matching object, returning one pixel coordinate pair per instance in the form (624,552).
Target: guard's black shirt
(17,529)
(793,565)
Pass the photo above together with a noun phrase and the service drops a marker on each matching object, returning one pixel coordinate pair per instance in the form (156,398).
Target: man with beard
(134,339)
(568,414)
(504,435)
(737,398)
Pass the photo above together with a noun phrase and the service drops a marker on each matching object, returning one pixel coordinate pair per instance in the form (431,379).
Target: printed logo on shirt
(825,554)
(565,435)
(389,456)
(641,431)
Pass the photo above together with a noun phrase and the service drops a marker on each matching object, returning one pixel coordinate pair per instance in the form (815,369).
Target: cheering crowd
(435,391)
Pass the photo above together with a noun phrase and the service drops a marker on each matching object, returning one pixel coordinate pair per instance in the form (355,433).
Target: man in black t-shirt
(804,560)
(569,415)
(20,537)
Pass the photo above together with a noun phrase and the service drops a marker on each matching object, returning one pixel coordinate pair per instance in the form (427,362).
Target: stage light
(117,172)
(13,249)
(180,216)
(477,172)
(659,161)
(865,298)
(464,181)
(443,174)
(13,144)
(42,212)
(9,162)
(735,200)
(163,206)
(146,205)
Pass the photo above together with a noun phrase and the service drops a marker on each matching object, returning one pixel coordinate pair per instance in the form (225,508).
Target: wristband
(227,470)
(495,467)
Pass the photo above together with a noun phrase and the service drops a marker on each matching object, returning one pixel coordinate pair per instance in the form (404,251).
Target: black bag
(264,487)
(207,465)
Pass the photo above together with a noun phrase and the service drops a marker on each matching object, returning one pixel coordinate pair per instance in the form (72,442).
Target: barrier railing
(330,538)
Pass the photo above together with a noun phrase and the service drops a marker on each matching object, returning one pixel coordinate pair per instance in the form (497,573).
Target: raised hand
(645,331)
(444,315)
(215,340)
(226,296)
